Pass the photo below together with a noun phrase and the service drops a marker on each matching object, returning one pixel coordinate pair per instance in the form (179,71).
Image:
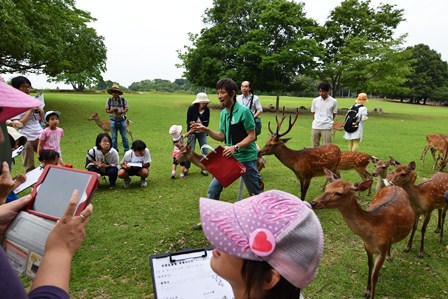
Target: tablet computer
(54,188)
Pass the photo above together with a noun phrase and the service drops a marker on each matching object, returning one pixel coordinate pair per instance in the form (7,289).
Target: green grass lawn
(129,225)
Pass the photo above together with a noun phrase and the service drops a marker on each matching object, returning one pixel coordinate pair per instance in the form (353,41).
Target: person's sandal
(204,172)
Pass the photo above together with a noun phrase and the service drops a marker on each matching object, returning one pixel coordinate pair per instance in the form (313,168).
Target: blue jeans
(250,179)
(202,138)
(115,126)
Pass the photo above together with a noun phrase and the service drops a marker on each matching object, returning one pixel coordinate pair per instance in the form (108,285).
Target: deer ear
(363,186)
(373,159)
(393,161)
(411,166)
(331,177)
(285,139)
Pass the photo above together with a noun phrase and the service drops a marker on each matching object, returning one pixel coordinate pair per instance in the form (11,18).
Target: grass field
(129,225)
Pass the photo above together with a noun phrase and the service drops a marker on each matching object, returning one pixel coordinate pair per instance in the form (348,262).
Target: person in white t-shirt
(31,124)
(136,161)
(324,109)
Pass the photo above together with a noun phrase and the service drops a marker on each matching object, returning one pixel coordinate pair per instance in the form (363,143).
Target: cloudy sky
(142,36)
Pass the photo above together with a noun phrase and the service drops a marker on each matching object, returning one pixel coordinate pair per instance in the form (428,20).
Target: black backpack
(351,120)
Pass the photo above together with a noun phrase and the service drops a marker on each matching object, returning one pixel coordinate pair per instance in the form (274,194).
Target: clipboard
(187,274)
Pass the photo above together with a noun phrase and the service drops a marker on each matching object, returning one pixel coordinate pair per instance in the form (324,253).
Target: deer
(186,153)
(105,124)
(388,219)
(337,126)
(424,197)
(305,163)
(357,161)
(381,168)
(438,143)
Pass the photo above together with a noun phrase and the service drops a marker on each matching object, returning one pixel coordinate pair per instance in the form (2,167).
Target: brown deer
(105,124)
(186,153)
(306,163)
(358,162)
(438,144)
(337,126)
(381,168)
(388,220)
(424,197)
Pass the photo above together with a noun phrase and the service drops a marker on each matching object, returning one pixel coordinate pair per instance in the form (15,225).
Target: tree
(50,37)
(430,76)
(266,42)
(361,51)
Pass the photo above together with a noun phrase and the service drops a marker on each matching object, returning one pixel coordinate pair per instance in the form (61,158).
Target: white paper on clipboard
(31,179)
(134,164)
(187,274)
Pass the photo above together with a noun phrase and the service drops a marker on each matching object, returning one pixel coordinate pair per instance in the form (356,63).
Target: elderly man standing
(324,109)
(117,107)
(252,102)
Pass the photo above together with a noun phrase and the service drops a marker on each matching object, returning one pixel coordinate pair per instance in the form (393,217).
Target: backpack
(351,120)
(93,158)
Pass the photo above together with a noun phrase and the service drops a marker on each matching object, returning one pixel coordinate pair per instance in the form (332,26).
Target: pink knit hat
(273,226)
(13,101)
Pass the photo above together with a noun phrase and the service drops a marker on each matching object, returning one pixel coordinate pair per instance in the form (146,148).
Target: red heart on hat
(262,242)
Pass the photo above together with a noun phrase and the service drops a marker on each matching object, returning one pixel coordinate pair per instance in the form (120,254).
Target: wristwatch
(237,148)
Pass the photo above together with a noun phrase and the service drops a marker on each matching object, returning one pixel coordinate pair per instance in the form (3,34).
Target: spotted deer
(438,144)
(388,220)
(357,161)
(381,168)
(305,163)
(337,126)
(105,124)
(424,197)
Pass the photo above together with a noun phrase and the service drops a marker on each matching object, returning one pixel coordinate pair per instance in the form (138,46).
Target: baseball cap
(273,226)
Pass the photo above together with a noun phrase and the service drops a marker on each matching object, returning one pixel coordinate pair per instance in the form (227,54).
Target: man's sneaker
(204,172)
(182,176)
(197,226)
(127,183)
(143,183)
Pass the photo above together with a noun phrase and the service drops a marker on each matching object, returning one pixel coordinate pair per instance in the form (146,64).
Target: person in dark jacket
(198,112)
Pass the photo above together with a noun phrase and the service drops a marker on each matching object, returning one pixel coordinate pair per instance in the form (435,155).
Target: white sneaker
(143,183)
(127,183)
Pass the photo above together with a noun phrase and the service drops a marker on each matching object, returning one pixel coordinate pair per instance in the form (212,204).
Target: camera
(36,111)
(116,109)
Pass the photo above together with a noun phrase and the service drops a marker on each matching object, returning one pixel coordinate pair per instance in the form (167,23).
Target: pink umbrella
(13,101)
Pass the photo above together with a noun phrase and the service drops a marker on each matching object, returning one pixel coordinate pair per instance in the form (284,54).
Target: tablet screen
(56,190)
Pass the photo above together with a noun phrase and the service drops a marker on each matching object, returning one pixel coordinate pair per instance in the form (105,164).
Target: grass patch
(129,225)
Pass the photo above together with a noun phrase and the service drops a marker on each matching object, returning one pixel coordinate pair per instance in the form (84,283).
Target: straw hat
(115,88)
(362,98)
(201,98)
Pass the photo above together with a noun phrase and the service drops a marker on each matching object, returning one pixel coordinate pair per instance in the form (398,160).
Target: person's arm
(6,183)
(42,138)
(218,136)
(18,180)
(258,106)
(26,116)
(62,243)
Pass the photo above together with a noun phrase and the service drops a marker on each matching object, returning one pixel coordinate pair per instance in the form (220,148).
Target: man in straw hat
(117,107)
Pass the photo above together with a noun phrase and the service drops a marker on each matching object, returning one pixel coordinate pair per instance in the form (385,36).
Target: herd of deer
(395,209)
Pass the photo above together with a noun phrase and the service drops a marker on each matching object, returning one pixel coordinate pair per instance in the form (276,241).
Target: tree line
(272,43)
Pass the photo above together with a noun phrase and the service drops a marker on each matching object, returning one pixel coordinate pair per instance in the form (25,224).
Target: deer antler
(279,123)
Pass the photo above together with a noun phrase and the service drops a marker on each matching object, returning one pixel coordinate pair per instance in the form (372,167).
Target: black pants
(110,171)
